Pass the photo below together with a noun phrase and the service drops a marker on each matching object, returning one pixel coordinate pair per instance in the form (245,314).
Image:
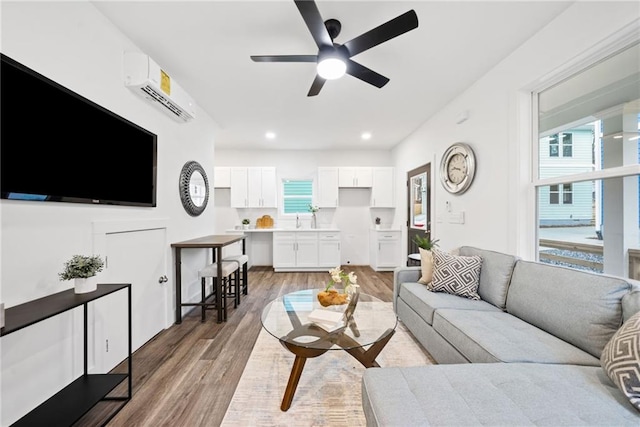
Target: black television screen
(56,145)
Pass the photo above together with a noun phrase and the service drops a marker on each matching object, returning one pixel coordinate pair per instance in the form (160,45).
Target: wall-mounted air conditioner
(145,78)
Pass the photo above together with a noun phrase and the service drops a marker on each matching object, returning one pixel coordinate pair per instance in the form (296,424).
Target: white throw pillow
(426,265)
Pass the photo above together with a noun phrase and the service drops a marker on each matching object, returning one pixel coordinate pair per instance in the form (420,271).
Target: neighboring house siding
(580,211)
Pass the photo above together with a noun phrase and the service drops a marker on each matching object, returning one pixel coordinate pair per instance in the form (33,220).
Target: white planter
(83,286)
(377,226)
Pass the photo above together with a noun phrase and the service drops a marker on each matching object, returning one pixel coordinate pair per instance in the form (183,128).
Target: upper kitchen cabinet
(221,177)
(355,177)
(382,193)
(253,187)
(327,187)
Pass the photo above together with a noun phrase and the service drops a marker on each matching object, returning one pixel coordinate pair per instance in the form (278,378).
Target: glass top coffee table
(371,325)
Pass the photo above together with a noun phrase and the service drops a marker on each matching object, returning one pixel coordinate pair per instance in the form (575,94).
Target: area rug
(329,391)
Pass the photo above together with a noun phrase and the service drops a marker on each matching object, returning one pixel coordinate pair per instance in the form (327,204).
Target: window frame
(281,208)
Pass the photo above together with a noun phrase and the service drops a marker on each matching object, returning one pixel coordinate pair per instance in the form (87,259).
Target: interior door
(418,205)
(136,257)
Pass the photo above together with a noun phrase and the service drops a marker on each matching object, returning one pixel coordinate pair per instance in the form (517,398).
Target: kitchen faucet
(298,221)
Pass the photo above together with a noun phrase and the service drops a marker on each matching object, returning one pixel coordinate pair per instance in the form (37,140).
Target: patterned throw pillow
(426,267)
(457,275)
(621,359)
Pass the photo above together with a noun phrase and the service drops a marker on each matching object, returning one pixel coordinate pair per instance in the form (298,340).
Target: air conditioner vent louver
(162,100)
(146,79)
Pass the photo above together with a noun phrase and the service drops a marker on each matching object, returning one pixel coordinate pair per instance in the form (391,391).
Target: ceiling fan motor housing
(333,27)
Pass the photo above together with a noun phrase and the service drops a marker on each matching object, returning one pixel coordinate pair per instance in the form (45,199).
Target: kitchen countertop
(275,229)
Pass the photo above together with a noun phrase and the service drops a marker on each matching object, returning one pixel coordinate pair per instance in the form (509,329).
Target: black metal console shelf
(72,402)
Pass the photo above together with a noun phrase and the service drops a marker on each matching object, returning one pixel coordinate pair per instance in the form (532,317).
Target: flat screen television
(56,145)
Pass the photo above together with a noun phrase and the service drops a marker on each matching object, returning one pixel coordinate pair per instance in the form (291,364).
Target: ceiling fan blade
(314,21)
(317,84)
(390,29)
(284,58)
(365,74)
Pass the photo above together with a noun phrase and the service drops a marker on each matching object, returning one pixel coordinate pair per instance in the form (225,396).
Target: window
(567,194)
(554,195)
(588,186)
(567,145)
(297,195)
(554,147)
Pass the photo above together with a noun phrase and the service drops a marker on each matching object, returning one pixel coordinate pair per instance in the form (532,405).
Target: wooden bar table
(215,242)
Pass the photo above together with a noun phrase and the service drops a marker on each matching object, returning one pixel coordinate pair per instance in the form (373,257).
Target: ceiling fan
(333,59)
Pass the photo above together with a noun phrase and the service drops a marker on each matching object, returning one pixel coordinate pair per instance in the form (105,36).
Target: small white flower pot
(83,286)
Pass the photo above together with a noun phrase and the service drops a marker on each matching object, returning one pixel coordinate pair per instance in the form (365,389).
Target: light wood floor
(187,374)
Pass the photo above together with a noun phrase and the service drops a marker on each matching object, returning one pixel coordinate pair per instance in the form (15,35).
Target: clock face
(457,168)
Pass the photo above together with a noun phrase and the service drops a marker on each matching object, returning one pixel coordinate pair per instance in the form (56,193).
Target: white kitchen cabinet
(261,191)
(382,193)
(221,177)
(328,249)
(239,187)
(295,250)
(327,187)
(355,177)
(385,249)
(253,187)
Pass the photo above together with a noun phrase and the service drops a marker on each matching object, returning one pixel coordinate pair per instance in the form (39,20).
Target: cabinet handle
(338,246)
(336,202)
(374,202)
(378,246)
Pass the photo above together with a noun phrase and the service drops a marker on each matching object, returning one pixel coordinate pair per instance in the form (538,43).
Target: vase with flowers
(313,209)
(331,295)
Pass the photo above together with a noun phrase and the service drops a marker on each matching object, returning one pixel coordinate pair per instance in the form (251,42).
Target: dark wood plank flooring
(187,374)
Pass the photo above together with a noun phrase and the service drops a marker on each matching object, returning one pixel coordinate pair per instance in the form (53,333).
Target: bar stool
(242,261)
(211,270)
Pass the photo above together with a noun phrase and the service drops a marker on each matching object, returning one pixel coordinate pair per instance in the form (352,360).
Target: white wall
(499,206)
(353,216)
(73,44)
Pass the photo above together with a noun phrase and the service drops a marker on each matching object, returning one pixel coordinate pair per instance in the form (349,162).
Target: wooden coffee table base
(327,340)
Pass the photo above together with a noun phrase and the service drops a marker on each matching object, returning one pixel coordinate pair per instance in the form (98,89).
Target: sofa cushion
(495,274)
(496,336)
(493,394)
(631,301)
(581,308)
(425,302)
(621,359)
(456,275)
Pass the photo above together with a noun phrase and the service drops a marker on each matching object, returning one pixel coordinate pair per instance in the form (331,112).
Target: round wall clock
(457,168)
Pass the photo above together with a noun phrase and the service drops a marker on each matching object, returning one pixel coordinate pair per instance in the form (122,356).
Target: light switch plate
(456,218)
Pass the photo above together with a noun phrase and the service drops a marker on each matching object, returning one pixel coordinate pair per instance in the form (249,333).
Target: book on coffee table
(327,320)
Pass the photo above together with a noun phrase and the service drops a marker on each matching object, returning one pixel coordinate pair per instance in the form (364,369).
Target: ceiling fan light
(331,68)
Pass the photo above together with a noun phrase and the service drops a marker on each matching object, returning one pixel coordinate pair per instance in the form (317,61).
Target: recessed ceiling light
(270,135)
(366,135)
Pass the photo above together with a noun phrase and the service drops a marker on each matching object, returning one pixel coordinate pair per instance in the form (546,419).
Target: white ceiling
(205,47)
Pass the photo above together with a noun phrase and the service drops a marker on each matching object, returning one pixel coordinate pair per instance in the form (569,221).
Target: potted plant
(377,223)
(83,270)
(245,223)
(425,243)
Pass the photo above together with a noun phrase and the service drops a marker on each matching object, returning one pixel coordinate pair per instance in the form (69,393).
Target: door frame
(413,231)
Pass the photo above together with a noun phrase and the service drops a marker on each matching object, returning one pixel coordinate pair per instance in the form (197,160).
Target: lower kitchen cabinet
(385,249)
(295,250)
(329,249)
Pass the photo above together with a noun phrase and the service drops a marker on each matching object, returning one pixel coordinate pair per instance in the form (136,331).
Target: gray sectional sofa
(527,353)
